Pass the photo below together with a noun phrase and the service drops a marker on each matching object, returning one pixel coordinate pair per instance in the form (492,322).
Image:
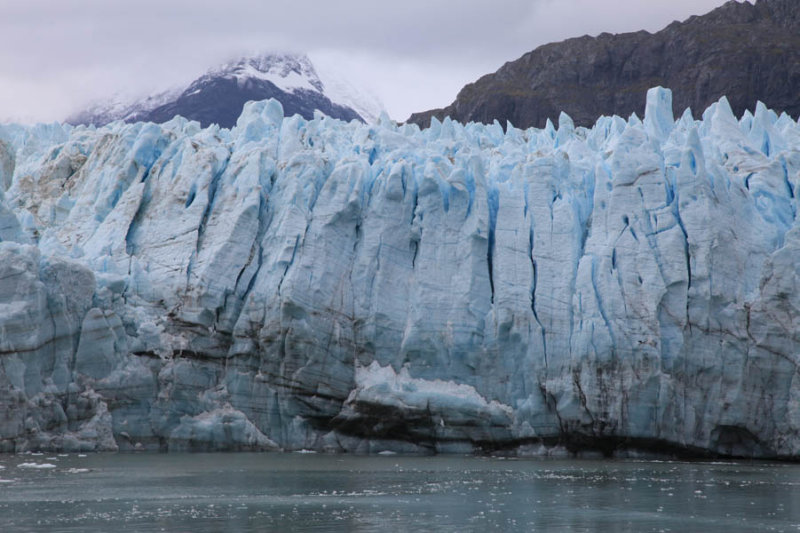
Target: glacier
(319,285)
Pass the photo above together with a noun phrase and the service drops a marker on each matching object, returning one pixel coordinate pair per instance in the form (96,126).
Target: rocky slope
(743,51)
(218,96)
(335,286)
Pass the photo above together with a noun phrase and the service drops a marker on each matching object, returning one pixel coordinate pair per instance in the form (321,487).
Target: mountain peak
(219,95)
(286,71)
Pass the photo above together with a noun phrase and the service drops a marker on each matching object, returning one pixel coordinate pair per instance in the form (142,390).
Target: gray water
(304,492)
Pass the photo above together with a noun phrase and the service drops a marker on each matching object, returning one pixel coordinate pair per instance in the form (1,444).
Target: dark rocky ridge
(748,52)
(220,101)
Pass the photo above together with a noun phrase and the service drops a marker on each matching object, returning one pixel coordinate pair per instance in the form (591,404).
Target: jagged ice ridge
(336,286)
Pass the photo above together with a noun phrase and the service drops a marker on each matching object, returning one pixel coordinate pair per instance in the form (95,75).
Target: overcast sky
(58,55)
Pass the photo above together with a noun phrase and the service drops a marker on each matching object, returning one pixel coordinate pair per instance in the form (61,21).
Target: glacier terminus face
(314,284)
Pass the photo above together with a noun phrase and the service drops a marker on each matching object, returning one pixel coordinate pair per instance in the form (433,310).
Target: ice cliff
(315,284)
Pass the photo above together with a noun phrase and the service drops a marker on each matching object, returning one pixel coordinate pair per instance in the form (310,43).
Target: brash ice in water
(277,492)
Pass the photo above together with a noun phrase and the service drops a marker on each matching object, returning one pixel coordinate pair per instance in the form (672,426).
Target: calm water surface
(304,492)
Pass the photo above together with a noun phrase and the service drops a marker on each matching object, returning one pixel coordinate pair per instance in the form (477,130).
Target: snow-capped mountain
(219,95)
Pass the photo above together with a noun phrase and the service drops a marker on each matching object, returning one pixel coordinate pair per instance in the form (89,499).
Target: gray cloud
(57,56)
